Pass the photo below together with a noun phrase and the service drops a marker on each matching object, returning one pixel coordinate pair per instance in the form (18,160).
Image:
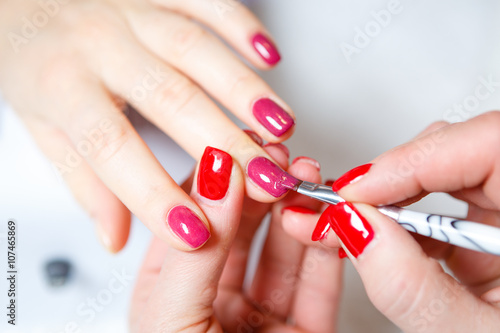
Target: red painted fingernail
(214,173)
(329,182)
(266,49)
(272,116)
(188,226)
(342,253)
(322,227)
(350,226)
(279,146)
(255,137)
(351,177)
(299,209)
(305,159)
(270,177)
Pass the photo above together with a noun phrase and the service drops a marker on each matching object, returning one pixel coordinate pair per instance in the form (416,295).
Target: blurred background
(359,82)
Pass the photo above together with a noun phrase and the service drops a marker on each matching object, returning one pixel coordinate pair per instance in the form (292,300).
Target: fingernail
(104,237)
(329,182)
(342,253)
(255,137)
(266,49)
(322,227)
(272,117)
(270,177)
(214,173)
(351,177)
(299,209)
(188,226)
(351,227)
(305,159)
(280,146)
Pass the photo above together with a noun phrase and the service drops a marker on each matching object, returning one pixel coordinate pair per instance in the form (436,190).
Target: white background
(428,58)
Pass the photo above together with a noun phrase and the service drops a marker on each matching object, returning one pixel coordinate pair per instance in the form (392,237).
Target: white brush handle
(470,235)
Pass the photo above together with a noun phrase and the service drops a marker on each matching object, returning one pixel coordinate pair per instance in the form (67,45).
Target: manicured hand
(69,68)
(295,288)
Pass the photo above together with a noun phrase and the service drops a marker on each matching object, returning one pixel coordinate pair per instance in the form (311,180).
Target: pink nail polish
(188,226)
(266,49)
(270,177)
(272,117)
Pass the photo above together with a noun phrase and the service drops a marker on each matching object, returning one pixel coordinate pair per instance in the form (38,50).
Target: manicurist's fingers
(409,288)
(458,157)
(203,58)
(235,23)
(188,282)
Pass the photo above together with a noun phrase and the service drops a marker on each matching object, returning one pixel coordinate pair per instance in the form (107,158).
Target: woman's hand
(295,288)
(403,278)
(70,67)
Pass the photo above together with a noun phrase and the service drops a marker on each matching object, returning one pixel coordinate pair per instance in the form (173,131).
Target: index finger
(459,157)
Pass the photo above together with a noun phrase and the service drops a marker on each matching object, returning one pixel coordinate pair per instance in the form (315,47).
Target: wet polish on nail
(342,253)
(351,177)
(323,226)
(329,182)
(272,116)
(188,226)
(351,227)
(214,173)
(266,49)
(270,177)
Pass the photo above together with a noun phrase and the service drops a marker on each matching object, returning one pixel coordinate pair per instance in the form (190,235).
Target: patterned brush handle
(470,235)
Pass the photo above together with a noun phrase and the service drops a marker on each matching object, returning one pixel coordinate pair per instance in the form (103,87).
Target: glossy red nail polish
(266,49)
(214,173)
(351,227)
(305,159)
(329,182)
(255,137)
(351,177)
(299,209)
(323,225)
(342,253)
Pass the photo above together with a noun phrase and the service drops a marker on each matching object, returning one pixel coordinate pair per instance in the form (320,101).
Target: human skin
(70,68)
(296,288)
(399,270)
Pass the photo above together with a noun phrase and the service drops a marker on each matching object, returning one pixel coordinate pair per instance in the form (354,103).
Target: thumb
(409,288)
(187,284)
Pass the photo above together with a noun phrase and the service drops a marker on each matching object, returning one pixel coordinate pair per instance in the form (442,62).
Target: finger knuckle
(186,39)
(240,83)
(401,292)
(111,143)
(175,96)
